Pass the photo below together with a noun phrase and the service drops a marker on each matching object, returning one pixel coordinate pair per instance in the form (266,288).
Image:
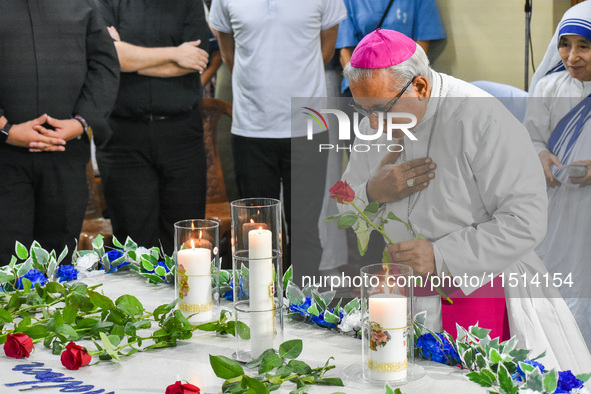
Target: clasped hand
(416,253)
(35,136)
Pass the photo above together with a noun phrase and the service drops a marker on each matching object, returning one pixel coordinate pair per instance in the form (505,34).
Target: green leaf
(391,216)
(347,221)
(56,347)
(519,354)
(584,377)
(86,323)
(386,256)
(287,276)
(117,244)
(67,331)
(352,305)
(101,301)
(243,330)
(294,294)
(26,285)
(256,385)
(329,382)
(108,346)
(506,384)
(330,317)
(224,367)
(478,332)
(63,255)
(130,305)
(534,380)
(550,381)
(480,361)
(481,378)
(21,251)
(291,349)
(313,309)
(390,390)
(5,316)
(269,362)
(362,232)
(299,367)
(54,287)
(495,357)
(70,312)
(372,208)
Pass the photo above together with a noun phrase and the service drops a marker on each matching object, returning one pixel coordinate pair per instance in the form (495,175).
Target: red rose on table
(18,345)
(341,191)
(75,357)
(179,388)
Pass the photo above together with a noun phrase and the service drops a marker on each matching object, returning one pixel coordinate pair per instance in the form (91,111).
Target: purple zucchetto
(383,48)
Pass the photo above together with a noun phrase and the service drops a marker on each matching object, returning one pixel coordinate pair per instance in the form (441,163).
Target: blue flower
(567,381)
(430,348)
(310,318)
(229,295)
(66,273)
(519,375)
(35,276)
(114,254)
(302,309)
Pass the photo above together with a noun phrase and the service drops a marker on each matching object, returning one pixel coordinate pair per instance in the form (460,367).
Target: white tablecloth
(152,371)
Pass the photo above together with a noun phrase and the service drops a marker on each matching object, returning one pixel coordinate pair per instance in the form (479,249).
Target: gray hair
(417,64)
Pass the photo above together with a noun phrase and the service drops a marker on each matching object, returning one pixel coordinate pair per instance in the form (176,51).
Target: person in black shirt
(58,75)
(153,169)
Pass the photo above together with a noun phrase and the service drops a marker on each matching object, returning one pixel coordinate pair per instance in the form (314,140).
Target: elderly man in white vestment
(471,183)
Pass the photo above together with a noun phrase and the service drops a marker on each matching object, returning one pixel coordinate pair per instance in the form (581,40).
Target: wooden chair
(217,204)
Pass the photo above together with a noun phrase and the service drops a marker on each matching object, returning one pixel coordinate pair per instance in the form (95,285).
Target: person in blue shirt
(417,19)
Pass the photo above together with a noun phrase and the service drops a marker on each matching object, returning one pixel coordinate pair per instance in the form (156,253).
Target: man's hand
(548,159)
(65,129)
(582,180)
(390,181)
(26,135)
(189,55)
(417,253)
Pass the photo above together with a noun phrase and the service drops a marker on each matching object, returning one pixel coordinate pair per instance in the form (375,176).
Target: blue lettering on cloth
(46,375)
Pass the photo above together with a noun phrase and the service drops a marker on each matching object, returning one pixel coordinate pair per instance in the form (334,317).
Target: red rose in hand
(75,357)
(18,345)
(179,388)
(341,191)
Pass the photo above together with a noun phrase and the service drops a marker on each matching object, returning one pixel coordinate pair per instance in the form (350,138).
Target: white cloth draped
(484,212)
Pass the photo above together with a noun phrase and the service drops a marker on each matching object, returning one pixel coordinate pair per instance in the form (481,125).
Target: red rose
(18,345)
(341,191)
(75,357)
(179,388)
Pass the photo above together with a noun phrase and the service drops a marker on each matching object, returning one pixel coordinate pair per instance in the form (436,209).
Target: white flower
(88,262)
(350,322)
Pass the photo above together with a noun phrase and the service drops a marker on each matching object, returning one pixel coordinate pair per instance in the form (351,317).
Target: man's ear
(422,86)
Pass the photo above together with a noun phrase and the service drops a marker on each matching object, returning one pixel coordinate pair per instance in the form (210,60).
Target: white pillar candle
(389,361)
(261,290)
(194,271)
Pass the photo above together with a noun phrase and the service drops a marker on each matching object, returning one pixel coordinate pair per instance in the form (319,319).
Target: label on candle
(194,283)
(387,358)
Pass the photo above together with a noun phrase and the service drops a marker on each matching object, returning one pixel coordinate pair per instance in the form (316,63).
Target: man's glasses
(380,108)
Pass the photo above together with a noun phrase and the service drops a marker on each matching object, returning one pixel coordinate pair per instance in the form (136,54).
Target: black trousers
(43,197)
(264,165)
(153,175)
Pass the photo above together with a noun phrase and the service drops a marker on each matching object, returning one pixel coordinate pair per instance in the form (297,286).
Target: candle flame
(261,227)
(200,234)
(192,225)
(252,220)
(193,244)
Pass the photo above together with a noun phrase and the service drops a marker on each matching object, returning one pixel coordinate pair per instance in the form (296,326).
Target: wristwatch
(4,132)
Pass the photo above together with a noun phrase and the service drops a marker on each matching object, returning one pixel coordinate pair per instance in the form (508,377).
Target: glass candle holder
(387,320)
(257,271)
(197,269)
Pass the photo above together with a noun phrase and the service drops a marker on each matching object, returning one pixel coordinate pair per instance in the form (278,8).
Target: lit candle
(387,337)
(248,227)
(194,276)
(261,290)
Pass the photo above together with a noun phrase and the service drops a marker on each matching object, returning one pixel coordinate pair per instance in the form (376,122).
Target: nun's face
(575,52)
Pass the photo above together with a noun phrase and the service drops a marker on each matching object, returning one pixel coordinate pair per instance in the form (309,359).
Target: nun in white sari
(482,209)
(557,119)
